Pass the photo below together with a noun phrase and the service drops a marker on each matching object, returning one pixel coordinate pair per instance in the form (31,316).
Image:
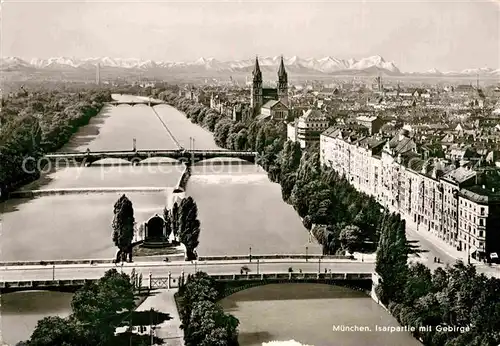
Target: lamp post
(190,142)
(307,248)
(257,266)
(319,265)
(250,253)
(53,272)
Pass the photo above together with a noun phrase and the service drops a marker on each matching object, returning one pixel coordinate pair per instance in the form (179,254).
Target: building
(431,194)
(451,183)
(479,222)
(275,110)
(308,128)
(373,124)
(260,96)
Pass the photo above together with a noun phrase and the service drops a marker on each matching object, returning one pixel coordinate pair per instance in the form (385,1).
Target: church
(269,103)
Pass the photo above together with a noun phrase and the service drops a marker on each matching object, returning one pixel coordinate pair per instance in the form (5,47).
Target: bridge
(137,102)
(69,277)
(136,156)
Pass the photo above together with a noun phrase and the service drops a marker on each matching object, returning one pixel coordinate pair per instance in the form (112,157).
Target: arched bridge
(232,275)
(137,102)
(228,283)
(185,156)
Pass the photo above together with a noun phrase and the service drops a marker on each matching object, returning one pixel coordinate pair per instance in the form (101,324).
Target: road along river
(239,209)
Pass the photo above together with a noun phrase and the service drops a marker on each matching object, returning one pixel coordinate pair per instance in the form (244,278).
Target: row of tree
(38,122)
(347,219)
(204,322)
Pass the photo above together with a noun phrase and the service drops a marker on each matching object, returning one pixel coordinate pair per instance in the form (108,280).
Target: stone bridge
(229,283)
(137,102)
(136,156)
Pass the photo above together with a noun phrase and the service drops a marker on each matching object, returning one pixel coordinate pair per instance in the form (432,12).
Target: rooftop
(460,175)
(481,194)
(366,119)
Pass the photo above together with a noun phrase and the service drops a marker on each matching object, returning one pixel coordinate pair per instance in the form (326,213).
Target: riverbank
(64,113)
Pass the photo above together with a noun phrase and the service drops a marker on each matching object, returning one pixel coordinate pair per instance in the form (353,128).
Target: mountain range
(374,65)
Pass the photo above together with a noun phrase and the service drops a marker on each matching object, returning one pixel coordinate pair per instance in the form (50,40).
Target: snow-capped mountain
(13,62)
(433,71)
(325,65)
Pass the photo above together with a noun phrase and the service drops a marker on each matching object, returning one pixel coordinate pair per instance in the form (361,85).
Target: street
(446,255)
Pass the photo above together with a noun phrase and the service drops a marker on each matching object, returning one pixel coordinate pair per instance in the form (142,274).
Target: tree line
(343,219)
(35,123)
(452,306)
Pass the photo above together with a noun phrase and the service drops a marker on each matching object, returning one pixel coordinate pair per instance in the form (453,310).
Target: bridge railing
(150,152)
(274,257)
(173,282)
(200,259)
(55,262)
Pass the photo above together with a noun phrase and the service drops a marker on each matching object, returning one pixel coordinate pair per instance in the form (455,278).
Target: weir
(69,191)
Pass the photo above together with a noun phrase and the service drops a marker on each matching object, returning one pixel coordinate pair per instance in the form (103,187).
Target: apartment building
(431,194)
(479,221)
(307,128)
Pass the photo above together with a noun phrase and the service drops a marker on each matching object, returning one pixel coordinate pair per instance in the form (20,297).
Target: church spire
(257,74)
(281,70)
(282,83)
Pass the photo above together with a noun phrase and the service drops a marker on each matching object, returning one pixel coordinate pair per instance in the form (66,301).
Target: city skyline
(416,36)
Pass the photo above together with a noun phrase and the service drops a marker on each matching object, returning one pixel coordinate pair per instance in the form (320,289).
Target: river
(307,313)
(239,208)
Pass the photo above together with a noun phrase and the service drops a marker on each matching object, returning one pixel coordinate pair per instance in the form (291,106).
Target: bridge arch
(243,159)
(228,288)
(133,160)
(108,161)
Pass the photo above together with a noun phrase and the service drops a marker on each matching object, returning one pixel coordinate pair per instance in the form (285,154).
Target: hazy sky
(416,35)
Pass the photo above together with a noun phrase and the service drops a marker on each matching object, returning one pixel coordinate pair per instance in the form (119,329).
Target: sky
(416,35)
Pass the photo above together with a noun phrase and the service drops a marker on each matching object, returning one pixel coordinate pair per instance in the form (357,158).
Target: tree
(289,157)
(198,287)
(175,220)
(350,238)
(167,216)
(419,281)
(287,184)
(210,326)
(222,131)
(123,228)
(392,258)
(51,331)
(189,226)
(97,305)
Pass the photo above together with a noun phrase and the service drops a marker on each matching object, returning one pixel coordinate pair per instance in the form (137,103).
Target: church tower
(256,97)
(282,83)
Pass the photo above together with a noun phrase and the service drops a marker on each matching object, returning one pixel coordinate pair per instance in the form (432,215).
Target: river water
(238,207)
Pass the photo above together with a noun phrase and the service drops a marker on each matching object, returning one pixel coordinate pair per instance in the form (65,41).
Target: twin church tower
(260,96)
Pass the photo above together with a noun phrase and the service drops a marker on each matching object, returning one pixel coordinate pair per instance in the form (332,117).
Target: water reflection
(307,312)
(21,311)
